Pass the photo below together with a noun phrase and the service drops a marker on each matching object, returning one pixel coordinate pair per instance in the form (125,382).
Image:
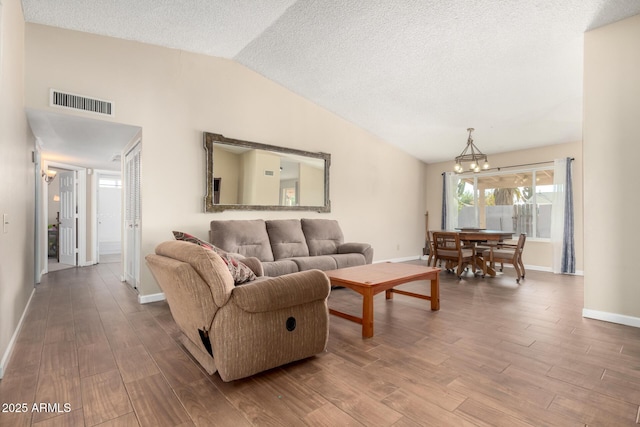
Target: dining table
(474,236)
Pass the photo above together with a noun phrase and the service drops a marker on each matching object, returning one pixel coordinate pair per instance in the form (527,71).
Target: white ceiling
(415,73)
(80,141)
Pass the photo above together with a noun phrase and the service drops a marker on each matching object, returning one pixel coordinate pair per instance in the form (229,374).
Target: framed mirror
(245,175)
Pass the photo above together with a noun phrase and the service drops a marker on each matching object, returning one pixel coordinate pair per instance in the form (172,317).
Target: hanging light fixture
(472,155)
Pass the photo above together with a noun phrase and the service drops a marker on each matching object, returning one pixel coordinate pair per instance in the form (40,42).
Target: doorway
(108,216)
(63,141)
(64,216)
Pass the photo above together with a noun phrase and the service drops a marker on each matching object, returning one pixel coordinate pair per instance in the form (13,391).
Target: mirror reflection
(253,176)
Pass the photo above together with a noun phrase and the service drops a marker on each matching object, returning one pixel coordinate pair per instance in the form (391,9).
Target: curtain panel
(562,237)
(449,219)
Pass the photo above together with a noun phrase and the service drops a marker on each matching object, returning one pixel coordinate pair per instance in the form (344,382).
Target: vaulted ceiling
(415,73)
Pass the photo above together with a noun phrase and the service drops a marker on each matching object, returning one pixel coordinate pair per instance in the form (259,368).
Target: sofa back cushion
(323,236)
(245,237)
(287,239)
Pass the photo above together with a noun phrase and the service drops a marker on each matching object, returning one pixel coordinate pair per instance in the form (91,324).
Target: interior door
(109,214)
(132,216)
(68,215)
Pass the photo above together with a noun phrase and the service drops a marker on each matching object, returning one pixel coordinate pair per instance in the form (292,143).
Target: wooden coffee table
(371,279)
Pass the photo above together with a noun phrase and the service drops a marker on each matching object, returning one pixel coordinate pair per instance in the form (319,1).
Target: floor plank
(496,354)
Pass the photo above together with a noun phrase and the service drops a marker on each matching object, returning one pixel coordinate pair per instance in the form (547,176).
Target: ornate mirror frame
(210,139)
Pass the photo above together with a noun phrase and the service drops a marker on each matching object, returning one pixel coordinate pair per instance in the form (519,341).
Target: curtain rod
(515,166)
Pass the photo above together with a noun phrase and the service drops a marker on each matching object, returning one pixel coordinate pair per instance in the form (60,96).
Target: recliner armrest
(281,292)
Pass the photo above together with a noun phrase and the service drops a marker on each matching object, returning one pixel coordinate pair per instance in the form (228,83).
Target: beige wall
(537,253)
(228,170)
(17,173)
(311,185)
(260,188)
(611,153)
(175,96)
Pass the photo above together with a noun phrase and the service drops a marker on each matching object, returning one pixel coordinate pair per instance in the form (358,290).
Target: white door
(109,214)
(68,215)
(132,216)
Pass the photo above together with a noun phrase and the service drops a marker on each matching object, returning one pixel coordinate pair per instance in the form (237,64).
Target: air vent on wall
(79,102)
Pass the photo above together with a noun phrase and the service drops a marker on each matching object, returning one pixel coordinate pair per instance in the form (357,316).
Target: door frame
(81,201)
(135,144)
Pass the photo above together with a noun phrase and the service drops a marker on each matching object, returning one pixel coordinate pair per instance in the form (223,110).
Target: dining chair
(506,253)
(447,247)
(431,249)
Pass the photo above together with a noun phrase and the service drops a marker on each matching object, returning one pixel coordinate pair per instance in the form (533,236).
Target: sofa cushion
(240,272)
(279,268)
(287,239)
(323,263)
(246,237)
(323,236)
(349,260)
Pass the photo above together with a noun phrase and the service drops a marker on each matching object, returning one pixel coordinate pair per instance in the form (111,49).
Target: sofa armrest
(282,292)
(357,248)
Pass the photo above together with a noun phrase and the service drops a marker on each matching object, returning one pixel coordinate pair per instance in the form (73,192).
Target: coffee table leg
(367,314)
(435,293)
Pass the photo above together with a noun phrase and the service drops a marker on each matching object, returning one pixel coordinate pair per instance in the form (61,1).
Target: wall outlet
(5,223)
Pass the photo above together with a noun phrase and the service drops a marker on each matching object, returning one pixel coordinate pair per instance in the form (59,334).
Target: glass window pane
(523,206)
(544,199)
(516,202)
(466,203)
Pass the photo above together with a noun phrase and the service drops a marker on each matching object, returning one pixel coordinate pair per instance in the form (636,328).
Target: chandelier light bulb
(473,165)
(485,166)
(476,169)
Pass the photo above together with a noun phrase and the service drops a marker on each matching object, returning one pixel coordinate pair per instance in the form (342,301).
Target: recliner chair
(240,330)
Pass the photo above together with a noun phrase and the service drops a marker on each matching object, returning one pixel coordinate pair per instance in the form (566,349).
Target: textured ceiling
(415,73)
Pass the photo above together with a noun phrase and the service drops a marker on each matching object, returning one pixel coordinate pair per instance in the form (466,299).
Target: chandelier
(472,155)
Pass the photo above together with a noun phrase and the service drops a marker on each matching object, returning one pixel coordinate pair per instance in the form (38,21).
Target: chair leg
(517,268)
(459,270)
(521,267)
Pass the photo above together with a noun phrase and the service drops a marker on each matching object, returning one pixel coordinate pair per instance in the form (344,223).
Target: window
(514,201)
(110,183)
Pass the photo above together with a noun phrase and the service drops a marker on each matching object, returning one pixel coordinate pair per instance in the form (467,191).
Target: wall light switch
(5,223)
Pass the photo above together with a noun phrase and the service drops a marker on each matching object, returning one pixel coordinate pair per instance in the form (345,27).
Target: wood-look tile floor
(496,354)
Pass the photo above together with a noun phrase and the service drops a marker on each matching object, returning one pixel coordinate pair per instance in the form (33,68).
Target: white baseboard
(408,258)
(611,317)
(146,299)
(14,337)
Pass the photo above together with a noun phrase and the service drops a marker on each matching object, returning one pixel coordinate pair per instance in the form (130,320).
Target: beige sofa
(240,330)
(289,245)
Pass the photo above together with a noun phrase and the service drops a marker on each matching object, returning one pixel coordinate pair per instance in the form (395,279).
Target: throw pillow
(240,272)
(179,235)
